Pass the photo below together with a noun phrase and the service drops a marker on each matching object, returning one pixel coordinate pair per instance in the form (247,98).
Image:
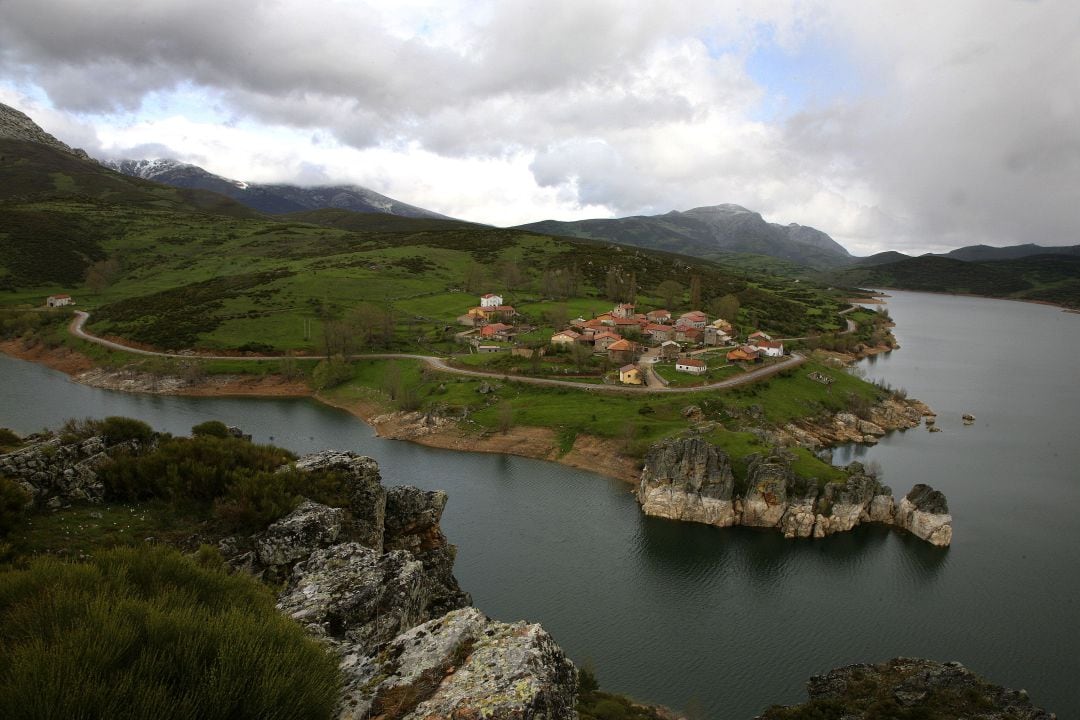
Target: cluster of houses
(622,334)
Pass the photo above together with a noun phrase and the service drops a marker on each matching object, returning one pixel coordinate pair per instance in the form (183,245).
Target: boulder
(924,512)
(412,519)
(687,479)
(462,665)
(352,593)
(367,496)
(294,537)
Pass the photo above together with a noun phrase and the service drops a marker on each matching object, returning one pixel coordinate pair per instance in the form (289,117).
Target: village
(620,346)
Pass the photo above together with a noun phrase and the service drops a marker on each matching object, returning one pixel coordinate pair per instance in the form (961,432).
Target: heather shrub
(148,633)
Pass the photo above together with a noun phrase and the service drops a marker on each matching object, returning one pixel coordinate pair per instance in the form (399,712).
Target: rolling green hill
(180,268)
(1047,278)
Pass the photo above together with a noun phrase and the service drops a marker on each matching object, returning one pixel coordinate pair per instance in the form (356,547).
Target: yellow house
(630,375)
(565,337)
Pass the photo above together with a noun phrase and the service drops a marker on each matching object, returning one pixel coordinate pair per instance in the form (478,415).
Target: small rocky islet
(374,582)
(691,479)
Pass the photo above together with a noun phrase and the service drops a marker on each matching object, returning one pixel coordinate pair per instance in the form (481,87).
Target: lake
(737,619)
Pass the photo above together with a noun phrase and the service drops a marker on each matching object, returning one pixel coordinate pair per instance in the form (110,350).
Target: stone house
(691,365)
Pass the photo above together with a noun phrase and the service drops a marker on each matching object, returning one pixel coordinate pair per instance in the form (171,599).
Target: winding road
(440,364)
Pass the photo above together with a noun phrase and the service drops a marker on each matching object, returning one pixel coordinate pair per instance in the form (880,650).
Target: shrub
(137,633)
(213,428)
(116,429)
(331,373)
(13,501)
(9,439)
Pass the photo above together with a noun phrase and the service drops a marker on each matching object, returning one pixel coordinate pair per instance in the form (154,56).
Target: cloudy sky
(892,124)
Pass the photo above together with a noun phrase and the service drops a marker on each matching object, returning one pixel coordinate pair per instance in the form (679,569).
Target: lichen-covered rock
(294,537)
(462,665)
(798,520)
(56,473)
(412,519)
(844,505)
(688,479)
(766,500)
(354,594)
(924,512)
(367,496)
(905,687)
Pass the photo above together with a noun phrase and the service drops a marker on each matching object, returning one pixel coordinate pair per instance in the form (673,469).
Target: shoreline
(590,453)
(1047,303)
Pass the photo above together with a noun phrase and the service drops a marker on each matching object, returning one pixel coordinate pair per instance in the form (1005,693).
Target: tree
(392,380)
(581,354)
(474,278)
(506,417)
(102,273)
(558,316)
(669,291)
(726,307)
(695,292)
(511,274)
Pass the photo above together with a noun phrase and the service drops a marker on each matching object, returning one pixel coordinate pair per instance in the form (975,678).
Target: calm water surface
(738,619)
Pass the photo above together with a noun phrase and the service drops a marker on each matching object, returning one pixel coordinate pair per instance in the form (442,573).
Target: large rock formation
(690,479)
(905,687)
(463,665)
(386,600)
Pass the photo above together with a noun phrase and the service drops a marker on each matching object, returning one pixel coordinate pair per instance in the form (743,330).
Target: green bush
(213,428)
(116,429)
(331,373)
(13,502)
(239,482)
(9,440)
(148,633)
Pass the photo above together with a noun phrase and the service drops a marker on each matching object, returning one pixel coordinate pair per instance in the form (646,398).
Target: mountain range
(273,199)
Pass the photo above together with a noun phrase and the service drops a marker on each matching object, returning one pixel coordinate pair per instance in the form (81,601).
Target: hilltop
(709,232)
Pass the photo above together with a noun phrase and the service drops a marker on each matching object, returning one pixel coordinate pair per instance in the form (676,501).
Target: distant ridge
(976,253)
(274,199)
(711,233)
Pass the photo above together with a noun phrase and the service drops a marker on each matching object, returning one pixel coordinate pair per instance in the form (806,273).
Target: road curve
(795,360)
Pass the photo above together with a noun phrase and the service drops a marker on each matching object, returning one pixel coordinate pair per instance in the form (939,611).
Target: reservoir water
(733,620)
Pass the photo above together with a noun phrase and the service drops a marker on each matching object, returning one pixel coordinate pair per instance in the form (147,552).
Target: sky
(894,124)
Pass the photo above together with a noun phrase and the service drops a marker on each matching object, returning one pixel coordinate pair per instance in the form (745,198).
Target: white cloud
(513,111)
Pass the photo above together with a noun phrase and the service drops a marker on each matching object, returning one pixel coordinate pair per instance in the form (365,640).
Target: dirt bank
(592,453)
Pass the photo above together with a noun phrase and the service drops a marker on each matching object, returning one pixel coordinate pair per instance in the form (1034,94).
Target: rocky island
(693,480)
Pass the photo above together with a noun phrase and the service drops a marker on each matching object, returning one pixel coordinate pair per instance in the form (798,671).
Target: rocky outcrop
(905,687)
(924,512)
(690,479)
(307,528)
(890,414)
(56,473)
(463,665)
(384,597)
(15,125)
(367,496)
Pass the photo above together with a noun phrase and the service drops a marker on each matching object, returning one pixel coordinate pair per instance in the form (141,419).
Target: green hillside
(178,269)
(1047,278)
